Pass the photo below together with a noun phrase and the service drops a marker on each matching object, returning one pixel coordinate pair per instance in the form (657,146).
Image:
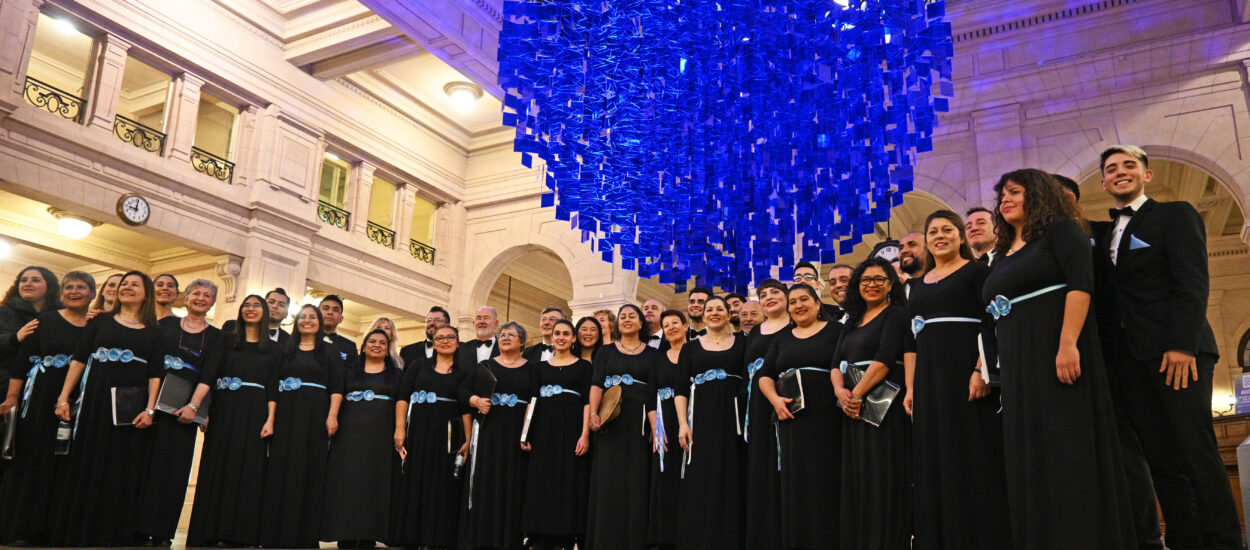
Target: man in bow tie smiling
(697,300)
(651,310)
(543,351)
(485,324)
(1156,258)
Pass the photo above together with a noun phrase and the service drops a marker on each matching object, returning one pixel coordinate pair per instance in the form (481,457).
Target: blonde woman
(385,324)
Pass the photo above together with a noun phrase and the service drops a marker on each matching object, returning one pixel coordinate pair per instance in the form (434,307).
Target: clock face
(887,250)
(133,209)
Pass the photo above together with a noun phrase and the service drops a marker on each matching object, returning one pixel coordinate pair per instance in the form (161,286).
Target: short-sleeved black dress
(231,478)
(41,364)
(763,481)
(876,460)
(810,444)
(426,509)
(362,458)
(662,508)
(496,492)
(1065,483)
(557,482)
(99,505)
(711,492)
(621,461)
(958,444)
(194,357)
(295,481)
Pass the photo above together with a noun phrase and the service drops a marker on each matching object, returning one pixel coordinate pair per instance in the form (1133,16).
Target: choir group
(1018,378)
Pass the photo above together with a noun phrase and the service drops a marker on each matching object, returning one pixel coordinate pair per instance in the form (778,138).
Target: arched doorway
(531,281)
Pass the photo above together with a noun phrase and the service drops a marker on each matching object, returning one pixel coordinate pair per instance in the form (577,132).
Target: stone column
(403,216)
(361,188)
(18,19)
(183,111)
(1000,147)
(106,82)
(246,145)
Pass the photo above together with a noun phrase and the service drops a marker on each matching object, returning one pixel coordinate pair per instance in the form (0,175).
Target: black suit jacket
(1161,282)
(533,354)
(412,353)
(346,348)
(466,356)
(1106,312)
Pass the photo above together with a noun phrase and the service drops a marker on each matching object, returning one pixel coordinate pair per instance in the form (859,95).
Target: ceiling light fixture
(333,157)
(5,248)
(65,25)
(72,226)
(463,94)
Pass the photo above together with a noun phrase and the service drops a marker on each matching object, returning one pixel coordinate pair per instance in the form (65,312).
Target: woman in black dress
(33,293)
(588,339)
(559,470)
(710,507)
(108,293)
(307,398)
(166,286)
(430,428)
(498,464)
(99,505)
(958,435)
(619,488)
(363,455)
(33,387)
(192,353)
(228,488)
(876,460)
(809,442)
(1065,486)
(666,464)
(763,483)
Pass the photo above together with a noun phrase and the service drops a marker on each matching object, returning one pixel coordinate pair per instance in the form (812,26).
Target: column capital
(106,79)
(183,112)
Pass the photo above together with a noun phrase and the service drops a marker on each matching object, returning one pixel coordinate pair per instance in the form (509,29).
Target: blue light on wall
(704,139)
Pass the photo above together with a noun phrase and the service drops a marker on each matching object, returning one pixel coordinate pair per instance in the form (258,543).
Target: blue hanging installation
(711,139)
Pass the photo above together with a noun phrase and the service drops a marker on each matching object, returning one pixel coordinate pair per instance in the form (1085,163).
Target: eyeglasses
(874,281)
(251,305)
(434,320)
(508,335)
(804,277)
(444,338)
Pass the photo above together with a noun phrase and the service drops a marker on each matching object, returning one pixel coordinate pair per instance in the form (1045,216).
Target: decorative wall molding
(1049,17)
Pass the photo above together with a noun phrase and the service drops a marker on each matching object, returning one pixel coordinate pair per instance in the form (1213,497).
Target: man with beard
(734,300)
(694,309)
(485,324)
(979,226)
(331,316)
(437,318)
(911,255)
(543,351)
(651,310)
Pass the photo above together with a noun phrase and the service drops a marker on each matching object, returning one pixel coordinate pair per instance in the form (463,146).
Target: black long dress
(662,527)
(711,492)
(496,492)
(100,501)
(295,480)
(41,364)
(1065,484)
(362,458)
(619,485)
(810,443)
(426,509)
(228,487)
(958,445)
(194,357)
(876,460)
(557,482)
(763,484)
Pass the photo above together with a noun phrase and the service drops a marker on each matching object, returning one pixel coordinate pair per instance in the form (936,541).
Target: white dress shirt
(483,352)
(1121,222)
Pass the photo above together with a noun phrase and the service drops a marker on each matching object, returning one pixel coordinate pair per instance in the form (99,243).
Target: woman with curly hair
(1065,484)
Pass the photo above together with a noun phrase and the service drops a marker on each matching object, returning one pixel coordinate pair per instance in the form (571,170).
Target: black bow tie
(700,332)
(655,337)
(1117,212)
(484,343)
(545,347)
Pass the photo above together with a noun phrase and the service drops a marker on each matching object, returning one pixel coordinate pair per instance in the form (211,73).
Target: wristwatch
(194,408)
(149,412)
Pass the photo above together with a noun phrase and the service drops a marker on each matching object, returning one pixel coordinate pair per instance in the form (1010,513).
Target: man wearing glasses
(437,318)
(805,273)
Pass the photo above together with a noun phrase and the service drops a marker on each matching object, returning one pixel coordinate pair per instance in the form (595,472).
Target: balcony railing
(134,133)
(213,165)
(421,251)
(380,234)
(54,100)
(333,215)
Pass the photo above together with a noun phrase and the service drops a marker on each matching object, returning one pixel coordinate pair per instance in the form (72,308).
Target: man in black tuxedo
(420,351)
(485,326)
(543,351)
(1157,253)
(331,317)
(696,301)
(979,227)
(1141,491)
(278,302)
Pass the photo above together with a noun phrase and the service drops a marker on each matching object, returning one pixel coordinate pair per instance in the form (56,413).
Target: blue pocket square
(1135,243)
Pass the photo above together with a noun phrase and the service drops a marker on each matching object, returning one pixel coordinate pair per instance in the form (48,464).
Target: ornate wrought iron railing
(134,133)
(54,100)
(213,165)
(333,215)
(380,234)
(421,251)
